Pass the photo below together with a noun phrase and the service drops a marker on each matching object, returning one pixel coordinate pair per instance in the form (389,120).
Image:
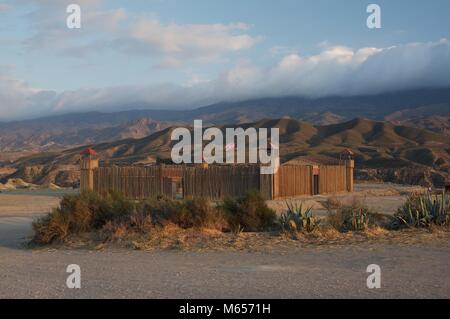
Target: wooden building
(295,178)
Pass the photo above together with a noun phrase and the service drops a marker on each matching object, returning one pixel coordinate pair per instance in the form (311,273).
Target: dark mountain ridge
(396,153)
(427,108)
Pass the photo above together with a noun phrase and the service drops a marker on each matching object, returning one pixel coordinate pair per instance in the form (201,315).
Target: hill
(427,108)
(382,151)
(432,117)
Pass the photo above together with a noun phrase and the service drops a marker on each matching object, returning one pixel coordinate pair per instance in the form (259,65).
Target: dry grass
(161,223)
(353,215)
(332,203)
(173,237)
(51,228)
(116,216)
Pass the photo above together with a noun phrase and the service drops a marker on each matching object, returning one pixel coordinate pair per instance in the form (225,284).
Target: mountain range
(425,108)
(383,151)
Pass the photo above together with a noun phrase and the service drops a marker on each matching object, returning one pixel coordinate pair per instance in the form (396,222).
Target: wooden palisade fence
(216,181)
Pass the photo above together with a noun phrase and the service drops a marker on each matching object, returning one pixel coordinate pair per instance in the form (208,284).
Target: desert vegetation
(90,212)
(353,216)
(115,218)
(424,210)
(298,218)
(249,213)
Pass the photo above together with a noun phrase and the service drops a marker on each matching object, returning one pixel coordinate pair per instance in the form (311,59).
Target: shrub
(51,228)
(249,212)
(332,203)
(81,213)
(117,214)
(141,222)
(76,210)
(298,219)
(199,213)
(423,210)
(186,213)
(160,209)
(114,231)
(355,217)
(114,207)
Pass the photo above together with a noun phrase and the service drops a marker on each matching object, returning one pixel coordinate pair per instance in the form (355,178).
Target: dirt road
(417,271)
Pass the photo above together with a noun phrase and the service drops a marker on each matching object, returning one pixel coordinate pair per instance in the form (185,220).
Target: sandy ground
(420,270)
(25,205)
(382,198)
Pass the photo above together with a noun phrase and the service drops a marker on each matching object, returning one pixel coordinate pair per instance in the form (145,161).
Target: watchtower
(88,163)
(349,158)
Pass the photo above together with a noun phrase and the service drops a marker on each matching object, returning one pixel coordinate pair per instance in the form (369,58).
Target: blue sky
(183,54)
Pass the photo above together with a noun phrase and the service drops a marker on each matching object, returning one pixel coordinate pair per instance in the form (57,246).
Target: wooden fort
(295,178)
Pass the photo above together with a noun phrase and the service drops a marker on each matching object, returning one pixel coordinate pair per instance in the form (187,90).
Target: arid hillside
(427,108)
(383,151)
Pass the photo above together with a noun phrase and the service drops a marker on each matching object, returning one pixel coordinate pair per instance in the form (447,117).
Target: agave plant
(296,218)
(424,210)
(358,219)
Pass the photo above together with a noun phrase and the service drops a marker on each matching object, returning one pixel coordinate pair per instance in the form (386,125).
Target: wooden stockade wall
(215,182)
(293,180)
(133,181)
(298,180)
(332,179)
(219,181)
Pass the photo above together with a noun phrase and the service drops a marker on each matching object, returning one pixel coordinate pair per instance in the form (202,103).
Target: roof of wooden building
(89,151)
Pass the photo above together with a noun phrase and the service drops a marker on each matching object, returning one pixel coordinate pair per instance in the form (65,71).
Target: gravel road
(416,271)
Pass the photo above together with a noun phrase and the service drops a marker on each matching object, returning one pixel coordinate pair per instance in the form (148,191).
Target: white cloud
(49,31)
(336,70)
(117,30)
(176,42)
(18,98)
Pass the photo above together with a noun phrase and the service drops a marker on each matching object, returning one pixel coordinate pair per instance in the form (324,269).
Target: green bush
(249,213)
(298,219)
(423,210)
(355,218)
(351,218)
(199,213)
(115,207)
(81,213)
(89,212)
(161,209)
(186,213)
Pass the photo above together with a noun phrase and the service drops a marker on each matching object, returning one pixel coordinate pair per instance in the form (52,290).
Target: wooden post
(87,166)
(266,184)
(88,163)
(349,165)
